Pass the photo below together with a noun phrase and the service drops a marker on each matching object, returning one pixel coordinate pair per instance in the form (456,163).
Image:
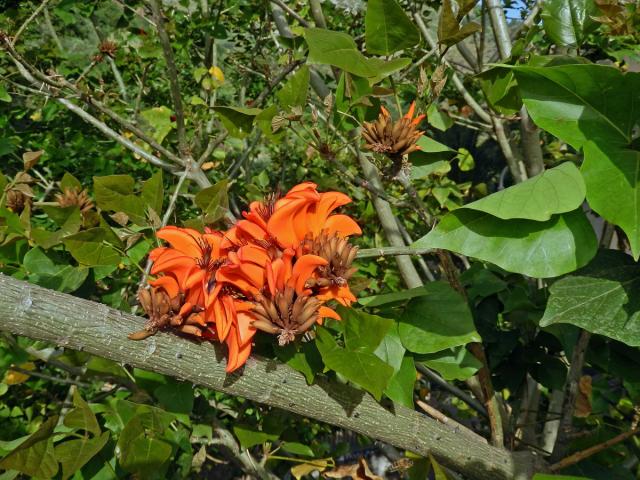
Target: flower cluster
(274,270)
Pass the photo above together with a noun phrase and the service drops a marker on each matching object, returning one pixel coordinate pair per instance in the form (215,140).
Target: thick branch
(80,324)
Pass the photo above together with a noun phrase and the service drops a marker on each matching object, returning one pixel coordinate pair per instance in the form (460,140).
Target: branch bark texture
(80,324)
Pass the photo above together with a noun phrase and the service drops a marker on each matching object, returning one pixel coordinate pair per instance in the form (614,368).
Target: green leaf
(294,92)
(390,350)
(612,177)
(501,90)
(337,49)
(362,368)
(438,473)
(401,385)
(153,192)
(548,476)
(296,448)
(441,319)
(557,190)
(453,363)
(45,272)
(35,456)
(447,22)
(74,454)
(363,332)
(387,28)
(69,182)
(90,248)
(237,120)
(385,298)
(304,358)
(438,118)
(138,448)
(176,397)
(213,201)
(4,95)
(109,189)
(249,437)
(580,103)
(602,298)
(567,22)
(81,417)
(560,245)
(159,118)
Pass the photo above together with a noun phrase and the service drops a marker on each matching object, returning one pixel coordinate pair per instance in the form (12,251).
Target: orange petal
(223,324)
(304,190)
(168,284)
(326,312)
(342,224)
(409,114)
(255,254)
(303,270)
(185,309)
(237,354)
(417,120)
(182,239)
(252,230)
(384,111)
(245,329)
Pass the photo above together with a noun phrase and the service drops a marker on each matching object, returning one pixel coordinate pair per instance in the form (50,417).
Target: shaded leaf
(294,92)
(436,321)
(362,368)
(81,417)
(213,201)
(300,470)
(237,120)
(248,436)
(90,247)
(453,363)
(159,118)
(35,456)
(602,298)
(175,396)
(153,192)
(74,454)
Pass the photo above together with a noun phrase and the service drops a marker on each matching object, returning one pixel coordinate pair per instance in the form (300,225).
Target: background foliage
(527,173)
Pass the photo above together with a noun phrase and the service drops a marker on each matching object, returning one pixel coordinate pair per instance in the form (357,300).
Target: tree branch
(80,324)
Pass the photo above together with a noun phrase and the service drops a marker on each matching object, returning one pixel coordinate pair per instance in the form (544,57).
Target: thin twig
(583,454)
(26,23)
(172,73)
(50,378)
(291,12)
(392,252)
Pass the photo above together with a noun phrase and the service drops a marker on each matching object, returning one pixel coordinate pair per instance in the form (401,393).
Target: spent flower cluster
(275,270)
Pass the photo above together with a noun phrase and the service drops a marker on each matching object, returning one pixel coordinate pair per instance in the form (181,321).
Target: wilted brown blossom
(390,138)
(71,197)
(17,200)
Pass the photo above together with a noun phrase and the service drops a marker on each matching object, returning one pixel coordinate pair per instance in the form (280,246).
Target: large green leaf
(362,368)
(175,396)
(115,193)
(159,119)
(577,103)
(567,22)
(153,192)
(612,177)
(35,456)
(391,350)
(387,28)
(437,321)
(93,247)
(560,245)
(249,436)
(602,298)
(340,50)
(294,92)
(363,332)
(337,49)
(558,190)
(74,454)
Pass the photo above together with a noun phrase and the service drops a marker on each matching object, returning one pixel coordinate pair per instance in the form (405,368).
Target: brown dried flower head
(286,315)
(74,197)
(164,311)
(339,254)
(390,138)
(17,200)
(109,48)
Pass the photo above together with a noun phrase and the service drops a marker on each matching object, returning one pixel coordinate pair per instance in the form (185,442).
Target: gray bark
(80,324)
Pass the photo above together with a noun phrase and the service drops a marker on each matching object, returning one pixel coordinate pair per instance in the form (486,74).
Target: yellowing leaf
(11,377)
(217,75)
(302,469)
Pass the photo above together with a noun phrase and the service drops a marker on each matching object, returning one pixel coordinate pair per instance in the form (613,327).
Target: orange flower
(274,270)
(304,211)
